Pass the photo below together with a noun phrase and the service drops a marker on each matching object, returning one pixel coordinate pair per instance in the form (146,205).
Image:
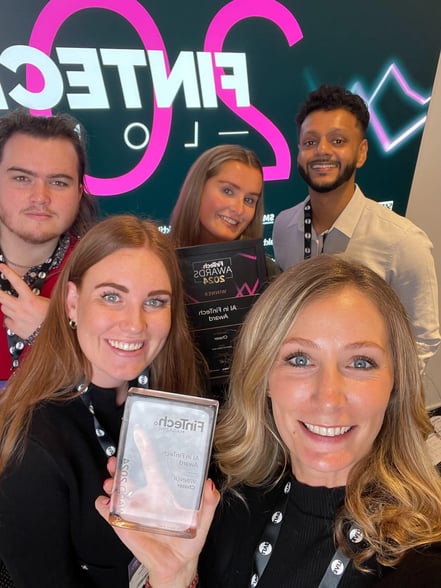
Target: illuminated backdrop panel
(157,83)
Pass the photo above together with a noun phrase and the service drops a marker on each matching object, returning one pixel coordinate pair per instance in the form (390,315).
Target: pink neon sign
(56,12)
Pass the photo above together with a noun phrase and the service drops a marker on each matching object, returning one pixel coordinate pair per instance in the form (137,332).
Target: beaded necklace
(35,278)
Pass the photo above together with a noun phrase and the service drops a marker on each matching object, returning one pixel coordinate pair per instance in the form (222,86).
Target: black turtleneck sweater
(304,547)
(50,533)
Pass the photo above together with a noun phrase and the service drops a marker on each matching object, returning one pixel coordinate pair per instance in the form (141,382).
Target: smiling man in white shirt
(336,217)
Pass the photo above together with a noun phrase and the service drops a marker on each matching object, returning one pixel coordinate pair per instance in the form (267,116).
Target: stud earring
(72,324)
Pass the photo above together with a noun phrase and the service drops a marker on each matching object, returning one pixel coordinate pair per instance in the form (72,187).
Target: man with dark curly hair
(336,217)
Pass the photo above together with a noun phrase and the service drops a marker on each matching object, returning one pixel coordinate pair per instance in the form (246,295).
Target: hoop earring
(72,324)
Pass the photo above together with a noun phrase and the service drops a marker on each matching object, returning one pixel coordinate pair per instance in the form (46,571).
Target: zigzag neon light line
(249,290)
(391,143)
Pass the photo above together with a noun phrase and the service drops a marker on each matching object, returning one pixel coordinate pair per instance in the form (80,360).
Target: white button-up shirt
(388,243)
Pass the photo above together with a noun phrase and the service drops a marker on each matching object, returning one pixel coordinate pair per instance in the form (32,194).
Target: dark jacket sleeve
(35,543)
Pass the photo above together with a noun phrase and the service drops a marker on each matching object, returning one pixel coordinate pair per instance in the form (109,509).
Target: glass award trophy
(162,461)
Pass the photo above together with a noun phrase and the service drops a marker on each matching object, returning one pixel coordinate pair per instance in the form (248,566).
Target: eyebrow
(122,288)
(299,341)
(29,172)
(361,344)
(354,345)
(328,132)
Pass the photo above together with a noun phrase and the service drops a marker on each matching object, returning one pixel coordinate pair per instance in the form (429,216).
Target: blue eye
(157,302)
(363,363)
(298,359)
(111,297)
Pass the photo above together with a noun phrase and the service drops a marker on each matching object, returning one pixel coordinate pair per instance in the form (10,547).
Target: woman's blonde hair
(55,365)
(185,226)
(394,493)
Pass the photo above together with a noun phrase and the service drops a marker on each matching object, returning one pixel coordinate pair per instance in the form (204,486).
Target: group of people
(44,205)
(320,454)
(45,208)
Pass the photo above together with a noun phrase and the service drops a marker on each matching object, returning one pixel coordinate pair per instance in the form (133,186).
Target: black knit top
(304,547)
(50,532)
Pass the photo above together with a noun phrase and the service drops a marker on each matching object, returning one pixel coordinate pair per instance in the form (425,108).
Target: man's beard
(342,178)
(32,237)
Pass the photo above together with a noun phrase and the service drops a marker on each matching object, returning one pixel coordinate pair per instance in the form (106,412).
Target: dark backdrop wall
(156,83)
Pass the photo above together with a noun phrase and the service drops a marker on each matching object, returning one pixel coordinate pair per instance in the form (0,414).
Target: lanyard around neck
(307,231)
(104,439)
(267,542)
(307,215)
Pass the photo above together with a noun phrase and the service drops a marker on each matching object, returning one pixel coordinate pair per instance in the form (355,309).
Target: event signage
(153,94)
(222,281)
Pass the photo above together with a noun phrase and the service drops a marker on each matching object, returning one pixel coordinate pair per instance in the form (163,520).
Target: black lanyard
(269,537)
(104,439)
(35,278)
(265,547)
(307,215)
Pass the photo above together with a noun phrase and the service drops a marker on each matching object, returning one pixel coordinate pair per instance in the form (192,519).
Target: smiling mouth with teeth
(125,346)
(327,431)
(229,220)
(323,165)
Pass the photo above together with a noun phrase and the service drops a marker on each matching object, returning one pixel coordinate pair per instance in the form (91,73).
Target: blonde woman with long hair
(326,476)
